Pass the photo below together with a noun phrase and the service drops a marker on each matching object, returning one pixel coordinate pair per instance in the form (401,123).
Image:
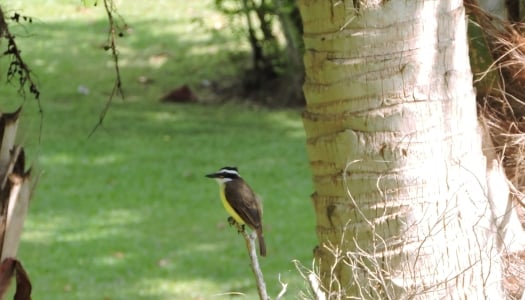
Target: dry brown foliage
(502,110)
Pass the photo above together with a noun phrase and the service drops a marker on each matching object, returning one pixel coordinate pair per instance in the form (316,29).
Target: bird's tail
(262,245)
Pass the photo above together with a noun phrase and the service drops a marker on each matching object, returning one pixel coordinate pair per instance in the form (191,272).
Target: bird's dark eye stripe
(228,175)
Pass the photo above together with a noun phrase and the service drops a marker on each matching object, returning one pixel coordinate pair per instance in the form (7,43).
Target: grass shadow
(130,211)
(127,213)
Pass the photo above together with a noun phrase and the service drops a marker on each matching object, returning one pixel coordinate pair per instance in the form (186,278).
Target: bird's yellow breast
(228,207)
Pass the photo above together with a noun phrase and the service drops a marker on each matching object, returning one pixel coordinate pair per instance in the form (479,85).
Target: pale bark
(392,138)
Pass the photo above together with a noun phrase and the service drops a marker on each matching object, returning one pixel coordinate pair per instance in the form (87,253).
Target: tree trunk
(395,151)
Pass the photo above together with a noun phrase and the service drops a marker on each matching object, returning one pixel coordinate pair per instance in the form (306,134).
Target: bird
(240,201)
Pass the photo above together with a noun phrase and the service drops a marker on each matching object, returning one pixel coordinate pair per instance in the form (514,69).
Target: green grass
(128,213)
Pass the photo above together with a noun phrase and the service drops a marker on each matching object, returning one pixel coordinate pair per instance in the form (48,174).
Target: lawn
(127,213)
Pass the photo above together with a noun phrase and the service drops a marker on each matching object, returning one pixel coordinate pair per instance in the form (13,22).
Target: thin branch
(17,67)
(284,287)
(311,276)
(117,87)
(249,238)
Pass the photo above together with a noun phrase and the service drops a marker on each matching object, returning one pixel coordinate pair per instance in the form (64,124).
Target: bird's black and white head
(225,174)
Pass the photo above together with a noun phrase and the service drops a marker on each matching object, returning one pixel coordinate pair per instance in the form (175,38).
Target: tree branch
(249,238)
(117,87)
(18,69)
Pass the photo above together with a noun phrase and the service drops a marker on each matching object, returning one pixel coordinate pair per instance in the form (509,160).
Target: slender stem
(250,245)
(117,86)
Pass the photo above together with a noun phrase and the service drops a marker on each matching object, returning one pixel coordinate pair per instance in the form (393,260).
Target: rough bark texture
(395,151)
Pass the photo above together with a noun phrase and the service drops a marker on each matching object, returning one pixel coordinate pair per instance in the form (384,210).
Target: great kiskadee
(240,201)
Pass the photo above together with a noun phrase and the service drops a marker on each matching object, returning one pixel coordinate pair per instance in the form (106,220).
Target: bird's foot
(232,222)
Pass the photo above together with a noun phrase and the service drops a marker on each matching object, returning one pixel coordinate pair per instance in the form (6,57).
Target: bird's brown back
(243,200)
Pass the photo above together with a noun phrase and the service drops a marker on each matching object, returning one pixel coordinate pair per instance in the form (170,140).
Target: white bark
(399,175)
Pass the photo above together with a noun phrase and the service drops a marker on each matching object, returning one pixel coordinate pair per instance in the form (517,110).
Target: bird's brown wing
(242,199)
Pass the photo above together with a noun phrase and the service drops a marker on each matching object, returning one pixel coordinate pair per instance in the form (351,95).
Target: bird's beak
(214,175)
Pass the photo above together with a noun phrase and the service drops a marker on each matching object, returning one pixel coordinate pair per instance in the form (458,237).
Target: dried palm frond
(502,105)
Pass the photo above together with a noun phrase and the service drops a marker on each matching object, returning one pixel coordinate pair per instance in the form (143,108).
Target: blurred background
(126,212)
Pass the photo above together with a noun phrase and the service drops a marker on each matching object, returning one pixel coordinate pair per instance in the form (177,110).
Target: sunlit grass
(128,213)
(131,207)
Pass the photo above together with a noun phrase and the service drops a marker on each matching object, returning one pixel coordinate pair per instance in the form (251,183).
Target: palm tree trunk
(395,151)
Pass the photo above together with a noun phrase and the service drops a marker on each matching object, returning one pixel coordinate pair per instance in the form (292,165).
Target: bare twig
(249,238)
(117,87)
(284,287)
(17,67)
(314,281)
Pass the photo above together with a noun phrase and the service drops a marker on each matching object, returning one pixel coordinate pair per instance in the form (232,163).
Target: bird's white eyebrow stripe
(229,171)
